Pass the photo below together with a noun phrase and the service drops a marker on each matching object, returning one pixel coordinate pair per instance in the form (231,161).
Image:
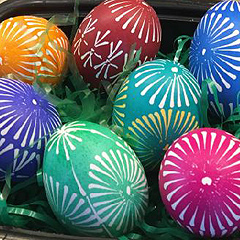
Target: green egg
(94,183)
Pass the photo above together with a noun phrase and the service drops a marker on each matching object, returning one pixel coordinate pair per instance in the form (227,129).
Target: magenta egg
(104,38)
(199,182)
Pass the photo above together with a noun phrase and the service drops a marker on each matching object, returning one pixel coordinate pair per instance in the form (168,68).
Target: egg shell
(156,104)
(215,53)
(26,121)
(32,47)
(94,183)
(105,37)
(199,182)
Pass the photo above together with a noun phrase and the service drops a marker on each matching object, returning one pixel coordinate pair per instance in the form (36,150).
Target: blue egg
(27,120)
(156,104)
(215,53)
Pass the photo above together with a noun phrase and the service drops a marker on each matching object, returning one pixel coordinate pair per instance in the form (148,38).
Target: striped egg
(26,121)
(103,41)
(94,183)
(32,47)
(156,104)
(199,182)
(215,54)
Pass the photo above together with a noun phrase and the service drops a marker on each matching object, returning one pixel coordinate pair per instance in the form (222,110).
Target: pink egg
(199,182)
(104,38)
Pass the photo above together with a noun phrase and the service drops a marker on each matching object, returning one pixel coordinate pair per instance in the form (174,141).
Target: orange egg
(32,47)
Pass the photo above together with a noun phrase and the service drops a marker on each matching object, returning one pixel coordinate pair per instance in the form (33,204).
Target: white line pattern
(27,120)
(171,78)
(110,194)
(205,176)
(39,51)
(215,52)
(100,48)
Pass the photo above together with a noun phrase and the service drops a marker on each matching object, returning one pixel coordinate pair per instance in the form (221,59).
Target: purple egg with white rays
(27,119)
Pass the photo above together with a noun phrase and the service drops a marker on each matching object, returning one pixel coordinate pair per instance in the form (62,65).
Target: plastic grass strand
(35,215)
(182,40)
(204,105)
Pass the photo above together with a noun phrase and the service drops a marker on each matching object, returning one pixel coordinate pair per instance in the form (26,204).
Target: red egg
(104,38)
(199,182)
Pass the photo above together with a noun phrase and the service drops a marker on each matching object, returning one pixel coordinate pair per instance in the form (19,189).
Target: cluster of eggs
(104,191)
(199,175)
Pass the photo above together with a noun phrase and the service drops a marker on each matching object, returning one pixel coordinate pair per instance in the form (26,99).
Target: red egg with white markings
(104,38)
(199,182)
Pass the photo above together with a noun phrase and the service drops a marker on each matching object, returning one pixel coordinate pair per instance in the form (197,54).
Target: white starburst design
(178,176)
(151,77)
(114,52)
(99,41)
(132,16)
(24,127)
(219,59)
(64,137)
(116,196)
(82,33)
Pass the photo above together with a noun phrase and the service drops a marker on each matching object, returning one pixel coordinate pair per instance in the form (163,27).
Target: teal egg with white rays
(95,184)
(157,103)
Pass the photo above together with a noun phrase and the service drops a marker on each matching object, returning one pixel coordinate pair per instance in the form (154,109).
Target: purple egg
(27,120)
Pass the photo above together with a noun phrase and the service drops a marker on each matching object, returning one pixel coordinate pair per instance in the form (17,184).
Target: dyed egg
(215,53)
(199,182)
(30,47)
(26,121)
(94,183)
(104,38)
(156,104)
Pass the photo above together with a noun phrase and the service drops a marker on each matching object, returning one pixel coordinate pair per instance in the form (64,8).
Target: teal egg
(157,103)
(94,182)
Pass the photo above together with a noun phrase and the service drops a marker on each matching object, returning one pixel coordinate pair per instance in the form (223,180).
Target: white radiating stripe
(223,138)
(119,8)
(175,155)
(213,137)
(229,222)
(174,205)
(178,146)
(204,135)
(65,193)
(124,13)
(168,162)
(185,139)
(136,23)
(212,230)
(181,215)
(82,214)
(77,207)
(202,226)
(229,148)
(25,162)
(71,200)
(192,220)
(231,165)
(219,222)
(6,149)
(169,196)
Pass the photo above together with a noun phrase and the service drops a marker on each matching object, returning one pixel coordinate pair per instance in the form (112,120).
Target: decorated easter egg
(199,182)
(156,104)
(103,41)
(32,47)
(26,121)
(94,183)
(215,54)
